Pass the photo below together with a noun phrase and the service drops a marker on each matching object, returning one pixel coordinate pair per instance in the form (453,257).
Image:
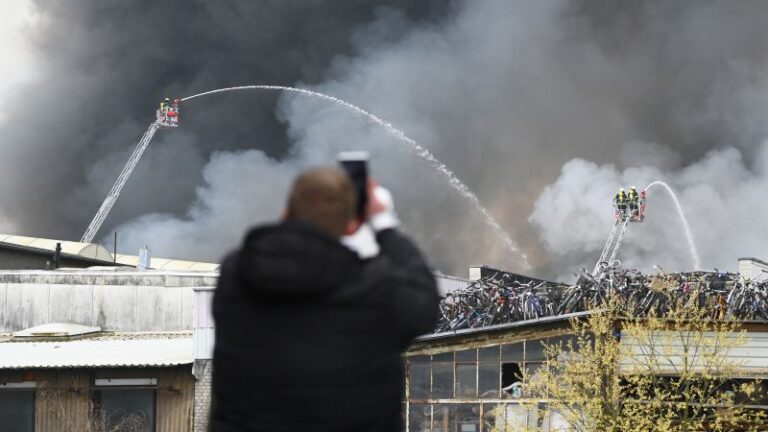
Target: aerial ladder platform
(166,117)
(625,214)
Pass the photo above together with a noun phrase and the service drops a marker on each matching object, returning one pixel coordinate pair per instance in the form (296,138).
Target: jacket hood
(294,260)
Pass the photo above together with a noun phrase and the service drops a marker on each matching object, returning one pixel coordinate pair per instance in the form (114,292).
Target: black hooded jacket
(309,336)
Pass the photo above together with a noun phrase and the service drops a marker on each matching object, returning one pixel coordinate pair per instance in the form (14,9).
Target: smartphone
(355,163)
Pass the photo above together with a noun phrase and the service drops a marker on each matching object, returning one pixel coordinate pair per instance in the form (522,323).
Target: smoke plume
(542,108)
(718,193)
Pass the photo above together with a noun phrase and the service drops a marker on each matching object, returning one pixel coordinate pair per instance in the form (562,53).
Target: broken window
(511,380)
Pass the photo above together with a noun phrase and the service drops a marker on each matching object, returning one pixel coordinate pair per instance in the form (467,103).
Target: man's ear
(352,226)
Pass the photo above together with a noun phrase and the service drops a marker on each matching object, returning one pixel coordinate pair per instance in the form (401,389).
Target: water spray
(164,120)
(686,228)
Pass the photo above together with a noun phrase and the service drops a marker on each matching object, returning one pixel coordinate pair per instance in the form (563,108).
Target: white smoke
(720,195)
(241,189)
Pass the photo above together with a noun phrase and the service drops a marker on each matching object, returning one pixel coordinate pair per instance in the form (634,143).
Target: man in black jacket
(308,334)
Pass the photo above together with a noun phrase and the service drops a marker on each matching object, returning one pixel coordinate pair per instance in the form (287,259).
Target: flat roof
(98,254)
(501,327)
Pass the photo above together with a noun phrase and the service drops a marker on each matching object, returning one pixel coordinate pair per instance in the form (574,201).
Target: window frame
(116,384)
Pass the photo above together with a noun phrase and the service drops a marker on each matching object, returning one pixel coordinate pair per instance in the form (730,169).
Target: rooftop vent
(56,330)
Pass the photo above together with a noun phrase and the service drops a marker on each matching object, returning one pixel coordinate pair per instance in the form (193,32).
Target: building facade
(472,380)
(475,380)
(98,349)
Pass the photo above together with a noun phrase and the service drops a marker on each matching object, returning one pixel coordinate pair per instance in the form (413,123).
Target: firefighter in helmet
(621,202)
(633,199)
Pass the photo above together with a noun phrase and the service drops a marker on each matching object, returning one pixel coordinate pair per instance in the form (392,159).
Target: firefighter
(621,202)
(633,199)
(172,112)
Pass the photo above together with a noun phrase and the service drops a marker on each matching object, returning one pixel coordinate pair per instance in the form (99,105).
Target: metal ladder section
(111,198)
(611,248)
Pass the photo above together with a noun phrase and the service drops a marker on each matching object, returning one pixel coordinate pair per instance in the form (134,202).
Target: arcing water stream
(422,152)
(688,235)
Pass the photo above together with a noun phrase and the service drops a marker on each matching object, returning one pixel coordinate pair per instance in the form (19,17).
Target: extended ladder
(611,248)
(111,198)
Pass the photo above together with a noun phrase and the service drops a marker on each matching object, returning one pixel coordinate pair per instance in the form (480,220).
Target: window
(490,412)
(125,404)
(468,418)
(442,380)
(420,418)
(418,375)
(531,369)
(489,355)
(17,409)
(466,356)
(444,418)
(511,380)
(488,380)
(512,353)
(534,350)
(488,372)
(466,380)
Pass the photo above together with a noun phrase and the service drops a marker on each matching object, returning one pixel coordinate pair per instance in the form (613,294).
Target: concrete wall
(114,301)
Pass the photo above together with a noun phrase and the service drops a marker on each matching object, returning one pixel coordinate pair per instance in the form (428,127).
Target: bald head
(325,198)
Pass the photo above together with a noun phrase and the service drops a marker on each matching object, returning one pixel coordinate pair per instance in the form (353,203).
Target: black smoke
(506,93)
(104,66)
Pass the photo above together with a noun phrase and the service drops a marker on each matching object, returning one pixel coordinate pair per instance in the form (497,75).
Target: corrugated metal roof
(123,350)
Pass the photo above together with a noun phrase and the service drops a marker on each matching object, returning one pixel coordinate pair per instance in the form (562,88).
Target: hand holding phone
(355,163)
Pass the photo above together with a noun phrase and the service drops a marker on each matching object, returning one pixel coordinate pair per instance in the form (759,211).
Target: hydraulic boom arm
(109,201)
